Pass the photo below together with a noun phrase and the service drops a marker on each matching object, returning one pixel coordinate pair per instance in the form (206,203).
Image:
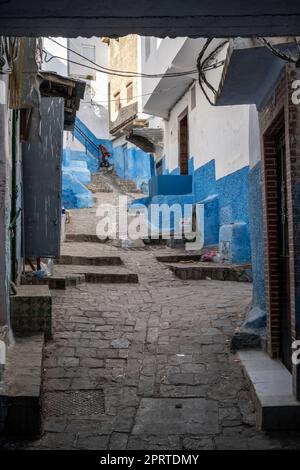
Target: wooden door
(183,145)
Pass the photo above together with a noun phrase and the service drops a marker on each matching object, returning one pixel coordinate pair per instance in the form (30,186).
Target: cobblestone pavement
(160,352)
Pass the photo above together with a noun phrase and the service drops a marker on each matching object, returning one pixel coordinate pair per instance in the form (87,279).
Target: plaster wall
(215,133)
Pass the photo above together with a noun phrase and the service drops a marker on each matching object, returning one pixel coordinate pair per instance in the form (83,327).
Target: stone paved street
(160,352)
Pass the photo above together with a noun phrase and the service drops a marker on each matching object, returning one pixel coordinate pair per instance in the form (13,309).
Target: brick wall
(279,111)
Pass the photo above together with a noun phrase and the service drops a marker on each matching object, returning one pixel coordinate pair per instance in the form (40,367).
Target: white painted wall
(159,60)
(255,150)
(93,111)
(219,133)
(56,65)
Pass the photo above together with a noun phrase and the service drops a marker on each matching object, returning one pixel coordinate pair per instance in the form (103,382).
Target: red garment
(105,153)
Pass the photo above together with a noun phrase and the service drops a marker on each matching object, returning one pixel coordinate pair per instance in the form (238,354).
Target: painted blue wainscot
(226,213)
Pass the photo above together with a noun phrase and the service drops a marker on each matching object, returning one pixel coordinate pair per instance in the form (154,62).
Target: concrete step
(84,238)
(98,274)
(177,258)
(89,260)
(56,282)
(20,390)
(272,392)
(31,310)
(218,272)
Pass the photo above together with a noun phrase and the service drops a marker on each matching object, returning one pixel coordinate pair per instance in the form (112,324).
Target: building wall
(59,65)
(219,163)
(132,163)
(81,156)
(123,55)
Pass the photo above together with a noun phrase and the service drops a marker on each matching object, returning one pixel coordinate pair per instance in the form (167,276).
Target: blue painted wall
(170,184)
(134,164)
(256,235)
(226,212)
(90,148)
(75,175)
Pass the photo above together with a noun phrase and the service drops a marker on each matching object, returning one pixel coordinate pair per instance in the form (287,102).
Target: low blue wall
(75,174)
(168,184)
(74,194)
(225,203)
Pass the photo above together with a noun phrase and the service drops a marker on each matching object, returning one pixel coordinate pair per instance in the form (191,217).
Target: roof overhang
(250,72)
(54,85)
(169,90)
(148,139)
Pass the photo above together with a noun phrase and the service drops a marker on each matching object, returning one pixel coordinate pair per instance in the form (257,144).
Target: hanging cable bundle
(208,64)
(114,72)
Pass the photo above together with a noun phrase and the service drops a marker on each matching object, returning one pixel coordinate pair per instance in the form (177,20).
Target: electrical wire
(203,66)
(280,54)
(134,97)
(179,74)
(122,73)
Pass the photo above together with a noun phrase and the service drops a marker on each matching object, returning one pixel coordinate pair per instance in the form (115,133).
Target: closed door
(183,145)
(283,258)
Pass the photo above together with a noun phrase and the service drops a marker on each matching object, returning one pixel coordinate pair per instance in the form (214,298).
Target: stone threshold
(272,391)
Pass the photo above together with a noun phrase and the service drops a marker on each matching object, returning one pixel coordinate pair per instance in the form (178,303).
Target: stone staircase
(99,184)
(107,181)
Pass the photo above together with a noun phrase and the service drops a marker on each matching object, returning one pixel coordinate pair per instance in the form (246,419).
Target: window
(193,97)
(129,92)
(117,100)
(147,47)
(89,52)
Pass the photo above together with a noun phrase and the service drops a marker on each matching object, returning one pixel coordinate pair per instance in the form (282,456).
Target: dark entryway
(283,255)
(183,145)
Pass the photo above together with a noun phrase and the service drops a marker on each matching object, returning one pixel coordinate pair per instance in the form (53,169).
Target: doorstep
(272,391)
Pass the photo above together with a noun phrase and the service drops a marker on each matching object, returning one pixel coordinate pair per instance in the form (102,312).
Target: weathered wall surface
(5,204)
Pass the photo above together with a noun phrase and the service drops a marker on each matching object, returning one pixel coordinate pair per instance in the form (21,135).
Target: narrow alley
(149,229)
(144,365)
